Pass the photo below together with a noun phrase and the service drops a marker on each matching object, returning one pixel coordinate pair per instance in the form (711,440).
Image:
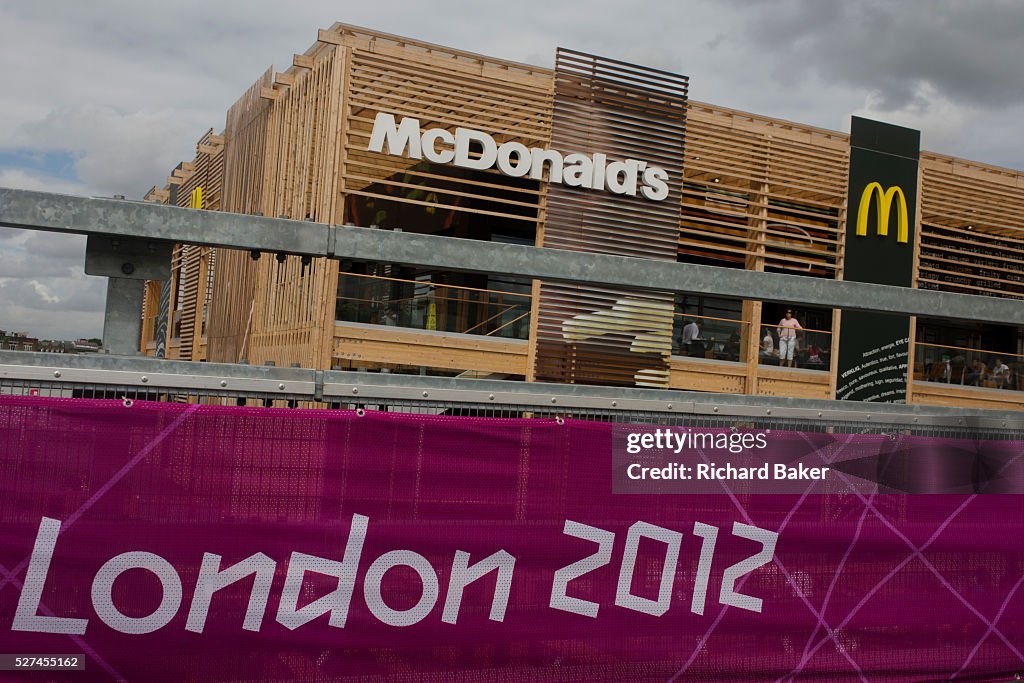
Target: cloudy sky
(105,97)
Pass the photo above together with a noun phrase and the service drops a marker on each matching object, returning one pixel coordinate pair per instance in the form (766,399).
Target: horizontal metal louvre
(597,335)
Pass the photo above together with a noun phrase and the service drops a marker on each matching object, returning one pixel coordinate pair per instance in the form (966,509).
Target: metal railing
(156,224)
(140,378)
(426,305)
(724,339)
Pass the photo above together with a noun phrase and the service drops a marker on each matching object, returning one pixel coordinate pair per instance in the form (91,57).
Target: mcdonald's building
(598,155)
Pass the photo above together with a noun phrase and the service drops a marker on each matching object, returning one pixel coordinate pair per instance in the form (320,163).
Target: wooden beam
(957,396)
(303,61)
(269,94)
(329,37)
(401,346)
(284,79)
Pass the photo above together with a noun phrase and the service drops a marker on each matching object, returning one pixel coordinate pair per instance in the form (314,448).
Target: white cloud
(115,153)
(64,308)
(43,292)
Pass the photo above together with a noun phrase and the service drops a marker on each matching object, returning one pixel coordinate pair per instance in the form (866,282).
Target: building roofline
(433,48)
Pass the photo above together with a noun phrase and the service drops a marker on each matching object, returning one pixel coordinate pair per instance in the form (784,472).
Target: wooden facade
(748,192)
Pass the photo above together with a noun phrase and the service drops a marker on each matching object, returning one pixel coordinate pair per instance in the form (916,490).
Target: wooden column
(911,350)
(837,314)
(755,261)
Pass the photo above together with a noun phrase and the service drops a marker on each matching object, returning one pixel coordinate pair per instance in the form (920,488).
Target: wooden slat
(389,345)
(234,275)
(972,229)
(287,319)
(441,93)
(798,181)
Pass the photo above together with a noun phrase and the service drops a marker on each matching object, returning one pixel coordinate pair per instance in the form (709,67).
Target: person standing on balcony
(787,339)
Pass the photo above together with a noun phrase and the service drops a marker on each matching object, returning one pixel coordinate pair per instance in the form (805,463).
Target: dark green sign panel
(880,233)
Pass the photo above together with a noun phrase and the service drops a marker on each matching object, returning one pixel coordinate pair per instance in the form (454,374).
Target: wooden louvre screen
(441,92)
(205,181)
(972,233)
(234,278)
(294,297)
(763,194)
(600,335)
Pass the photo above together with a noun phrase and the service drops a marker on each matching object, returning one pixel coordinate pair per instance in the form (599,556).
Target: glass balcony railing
(811,348)
(968,367)
(425,305)
(716,338)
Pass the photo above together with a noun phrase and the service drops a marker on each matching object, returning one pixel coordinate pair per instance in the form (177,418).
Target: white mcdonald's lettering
(883,204)
(479,151)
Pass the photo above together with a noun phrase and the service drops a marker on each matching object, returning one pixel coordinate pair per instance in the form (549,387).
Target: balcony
(962,376)
(420,326)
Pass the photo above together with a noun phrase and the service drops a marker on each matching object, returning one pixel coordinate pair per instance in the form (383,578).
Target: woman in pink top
(787,338)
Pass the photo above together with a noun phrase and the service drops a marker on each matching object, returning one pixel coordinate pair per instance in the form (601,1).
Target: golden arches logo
(883,205)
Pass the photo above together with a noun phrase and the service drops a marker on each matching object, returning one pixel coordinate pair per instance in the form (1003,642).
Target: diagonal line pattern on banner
(76,639)
(942,579)
(118,476)
(838,572)
(867,596)
(842,564)
(785,522)
(918,553)
(840,567)
(721,614)
(785,572)
(991,628)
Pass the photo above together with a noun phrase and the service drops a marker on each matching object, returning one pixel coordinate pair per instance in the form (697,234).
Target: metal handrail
(1007,354)
(435,296)
(709,317)
(168,224)
(799,329)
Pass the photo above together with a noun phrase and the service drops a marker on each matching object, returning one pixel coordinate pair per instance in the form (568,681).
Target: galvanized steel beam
(78,215)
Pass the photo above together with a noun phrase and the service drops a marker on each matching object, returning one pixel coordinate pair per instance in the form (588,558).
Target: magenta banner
(172,542)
